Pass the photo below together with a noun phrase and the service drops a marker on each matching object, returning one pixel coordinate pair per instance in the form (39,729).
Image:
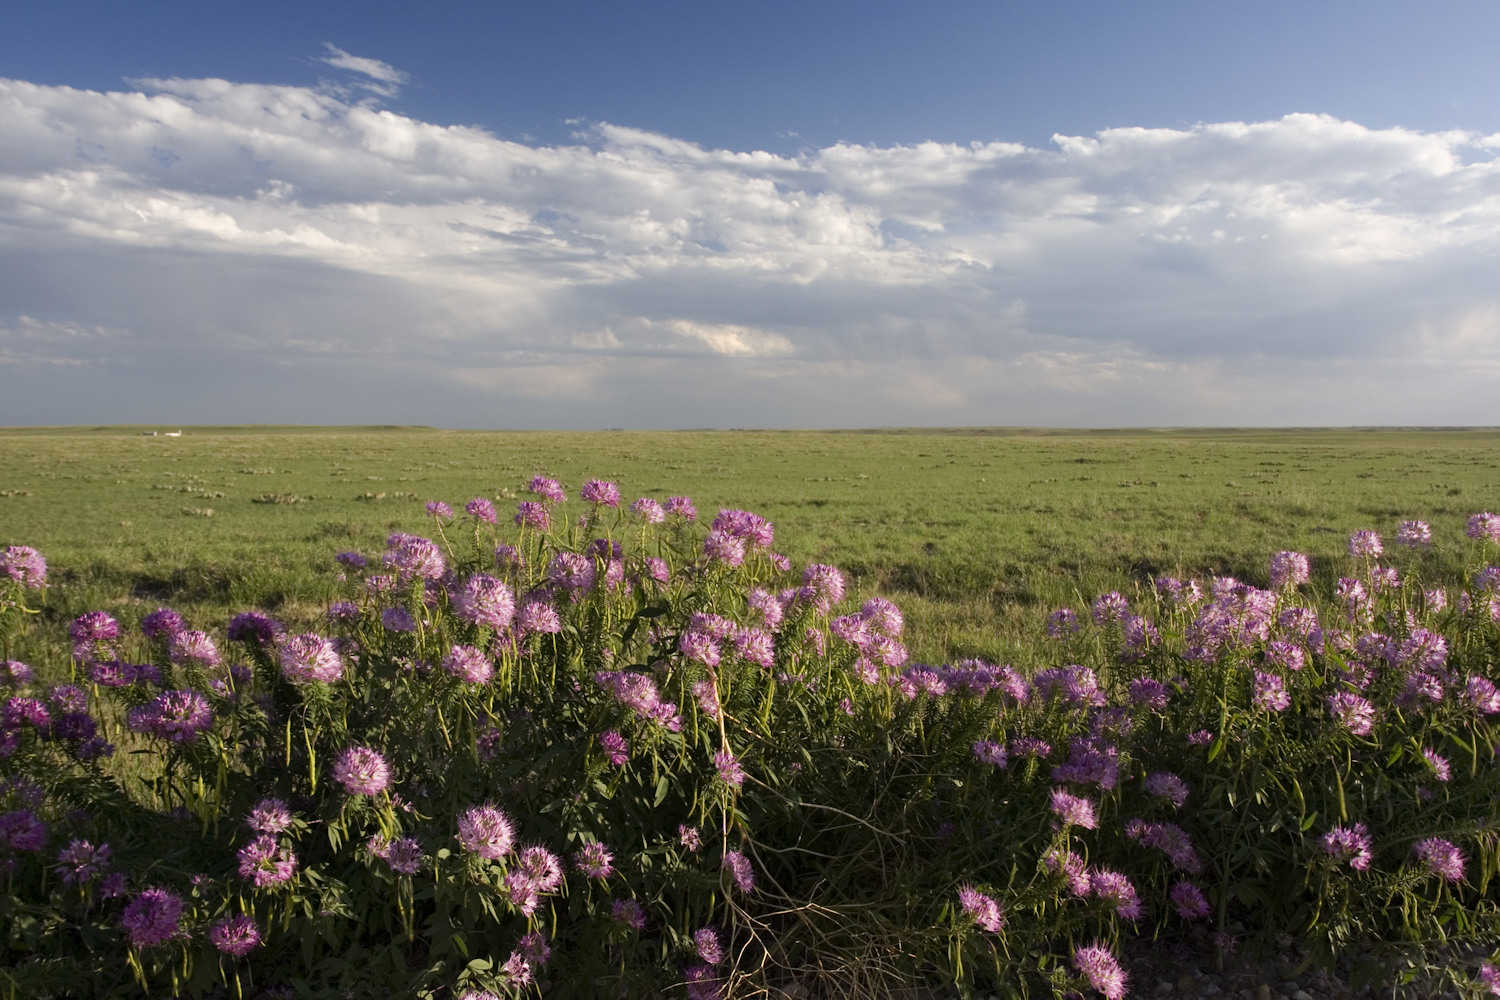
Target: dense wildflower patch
(599,747)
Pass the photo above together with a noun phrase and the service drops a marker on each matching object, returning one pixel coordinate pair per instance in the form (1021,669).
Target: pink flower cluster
(638,692)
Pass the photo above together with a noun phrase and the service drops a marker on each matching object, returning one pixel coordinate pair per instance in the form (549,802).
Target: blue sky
(772,214)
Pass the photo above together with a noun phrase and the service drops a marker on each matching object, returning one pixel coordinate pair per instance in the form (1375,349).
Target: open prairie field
(976,533)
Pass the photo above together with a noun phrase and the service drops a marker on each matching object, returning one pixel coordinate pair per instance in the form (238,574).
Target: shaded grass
(977,533)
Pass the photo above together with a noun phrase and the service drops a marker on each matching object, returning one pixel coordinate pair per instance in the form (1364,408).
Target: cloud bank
(202,250)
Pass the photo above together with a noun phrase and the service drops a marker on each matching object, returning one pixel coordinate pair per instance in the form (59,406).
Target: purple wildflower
(755,646)
(484,600)
(266,862)
(310,657)
(1090,761)
(270,815)
(95,626)
(1076,684)
(1269,694)
(541,867)
(22,831)
(80,862)
(163,623)
(1441,769)
(530,514)
(1108,608)
(740,870)
(533,947)
(599,492)
(1071,867)
(152,918)
(1288,570)
(708,698)
(986,911)
(1365,545)
(439,509)
(1140,637)
(720,546)
(730,771)
(1484,527)
(178,716)
(1482,695)
(824,585)
(1189,900)
(516,971)
(508,559)
(1414,534)
(487,832)
(14,673)
(413,556)
(25,565)
(689,837)
(616,747)
(1165,785)
(1073,810)
(700,646)
(1148,692)
(255,628)
(1169,838)
(538,617)
(648,510)
(69,698)
(481,509)
(1350,844)
(571,571)
(658,570)
(506,971)
(682,507)
(1096,964)
(404,855)
(237,936)
(1179,593)
(548,489)
(638,692)
(1116,889)
(1423,650)
(344,612)
(991,753)
(74,726)
(1030,746)
(595,861)
(397,619)
(1287,655)
(362,771)
(112,886)
(1354,713)
(469,664)
(1062,622)
(628,913)
(353,560)
(26,711)
(1441,857)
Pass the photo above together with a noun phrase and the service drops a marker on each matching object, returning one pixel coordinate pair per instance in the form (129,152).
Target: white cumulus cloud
(206,249)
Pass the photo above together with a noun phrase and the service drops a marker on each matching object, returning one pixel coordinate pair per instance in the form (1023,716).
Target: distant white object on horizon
(173,434)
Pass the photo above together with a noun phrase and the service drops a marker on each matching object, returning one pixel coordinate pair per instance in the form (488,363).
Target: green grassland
(976,533)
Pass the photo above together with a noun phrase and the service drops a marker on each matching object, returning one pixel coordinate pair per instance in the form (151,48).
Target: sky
(821,214)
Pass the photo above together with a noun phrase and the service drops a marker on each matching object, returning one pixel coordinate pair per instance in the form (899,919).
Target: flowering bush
(618,751)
